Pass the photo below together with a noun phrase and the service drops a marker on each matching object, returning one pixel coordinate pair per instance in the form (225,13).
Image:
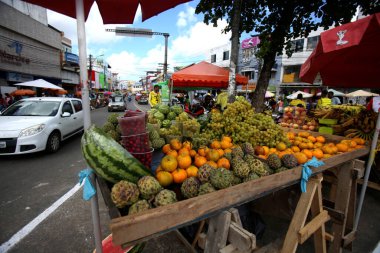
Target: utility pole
(166,35)
(90,73)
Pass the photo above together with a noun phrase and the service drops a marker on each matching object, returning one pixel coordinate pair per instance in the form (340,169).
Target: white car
(41,123)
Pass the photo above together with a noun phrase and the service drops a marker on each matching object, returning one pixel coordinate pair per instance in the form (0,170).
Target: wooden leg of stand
(341,204)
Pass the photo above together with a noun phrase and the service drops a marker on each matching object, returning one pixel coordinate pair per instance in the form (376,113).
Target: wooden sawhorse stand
(298,232)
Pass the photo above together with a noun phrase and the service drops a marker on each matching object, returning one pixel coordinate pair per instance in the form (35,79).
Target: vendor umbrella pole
(367,172)
(86,111)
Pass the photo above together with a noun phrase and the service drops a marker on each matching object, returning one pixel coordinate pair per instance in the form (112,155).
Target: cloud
(186,17)
(124,63)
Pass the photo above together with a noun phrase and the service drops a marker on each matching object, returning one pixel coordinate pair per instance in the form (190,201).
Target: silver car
(116,103)
(36,124)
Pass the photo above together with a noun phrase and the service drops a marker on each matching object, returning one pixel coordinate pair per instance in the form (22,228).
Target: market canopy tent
(40,83)
(204,75)
(362,93)
(335,92)
(347,55)
(269,94)
(304,95)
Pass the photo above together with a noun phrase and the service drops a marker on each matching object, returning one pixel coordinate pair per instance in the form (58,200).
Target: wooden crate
(135,228)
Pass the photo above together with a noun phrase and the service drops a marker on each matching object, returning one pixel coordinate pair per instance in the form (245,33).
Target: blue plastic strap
(88,189)
(306,171)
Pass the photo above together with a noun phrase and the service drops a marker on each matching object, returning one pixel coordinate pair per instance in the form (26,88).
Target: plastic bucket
(136,143)
(144,157)
(132,123)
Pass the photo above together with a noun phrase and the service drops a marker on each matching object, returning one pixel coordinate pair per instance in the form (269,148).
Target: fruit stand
(136,228)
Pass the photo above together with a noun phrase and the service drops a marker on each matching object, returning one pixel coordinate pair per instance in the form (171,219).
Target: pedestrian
(280,106)
(221,99)
(334,100)
(155,96)
(324,100)
(8,99)
(298,101)
(2,102)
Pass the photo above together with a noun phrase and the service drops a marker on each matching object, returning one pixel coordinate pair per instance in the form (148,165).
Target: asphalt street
(32,183)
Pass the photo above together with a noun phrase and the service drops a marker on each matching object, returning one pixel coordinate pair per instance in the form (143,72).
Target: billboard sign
(250,42)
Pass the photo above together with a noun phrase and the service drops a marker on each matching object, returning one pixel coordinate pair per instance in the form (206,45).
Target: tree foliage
(279,21)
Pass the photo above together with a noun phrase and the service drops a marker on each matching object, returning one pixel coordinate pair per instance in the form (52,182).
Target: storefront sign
(13,59)
(17,77)
(250,42)
(72,58)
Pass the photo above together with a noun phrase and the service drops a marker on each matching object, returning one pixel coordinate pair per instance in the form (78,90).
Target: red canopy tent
(204,75)
(349,56)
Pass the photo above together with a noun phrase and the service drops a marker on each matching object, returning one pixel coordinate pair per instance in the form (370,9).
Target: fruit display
(242,124)
(109,159)
(295,117)
(112,128)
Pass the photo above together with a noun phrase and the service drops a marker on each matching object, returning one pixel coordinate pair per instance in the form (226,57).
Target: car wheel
(53,142)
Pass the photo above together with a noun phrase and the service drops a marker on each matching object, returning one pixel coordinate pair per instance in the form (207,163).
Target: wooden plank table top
(135,228)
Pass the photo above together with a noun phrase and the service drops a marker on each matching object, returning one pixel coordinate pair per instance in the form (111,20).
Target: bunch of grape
(190,127)
(241,122)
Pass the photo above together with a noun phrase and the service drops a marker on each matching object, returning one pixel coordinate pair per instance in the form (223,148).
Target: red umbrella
(347,55)
(113,12)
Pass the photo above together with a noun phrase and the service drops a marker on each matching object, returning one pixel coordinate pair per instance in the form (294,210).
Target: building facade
(29,49)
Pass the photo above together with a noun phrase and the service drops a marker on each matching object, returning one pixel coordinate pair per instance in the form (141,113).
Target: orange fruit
(312,138)
(227,150)
(318,145)
(334,149)
(175,144)
(320,139)
(212,164)
(359,146)
(304,134)
(226,138)
(301,157)
(220,151)
(184,161)
(203,151)
(353,144)
(303,145)
(272,150)
(192,171)
(187,145)
(179,175)
(291,135)
(193,153)
(183,151)
(282,153)
(215,144)
(172,153)
(225,144)
(310,145)
(224,163)
(266,150)
(359,141)
(342,147)
(158,169)
(318,153)
(295,149)
(164,178)
(326,156)
(308,153)
(166,148)
(199,161)
(213,155)
(281,146)
(169,163)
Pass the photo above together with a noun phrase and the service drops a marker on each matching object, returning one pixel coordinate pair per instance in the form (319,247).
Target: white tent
(361,93)
(336,93)
(304,95)
(40,83)
(269,94)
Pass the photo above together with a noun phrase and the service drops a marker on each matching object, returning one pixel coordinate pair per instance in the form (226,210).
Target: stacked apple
(295,117)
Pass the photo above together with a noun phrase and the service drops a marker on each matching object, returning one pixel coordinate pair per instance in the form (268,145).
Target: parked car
(143,100)
(41,123)
(116,103)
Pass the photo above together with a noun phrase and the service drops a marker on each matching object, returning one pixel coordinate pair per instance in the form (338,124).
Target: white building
(220,56)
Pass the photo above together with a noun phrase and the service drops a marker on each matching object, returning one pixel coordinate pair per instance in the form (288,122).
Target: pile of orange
(304,146)
(182,161)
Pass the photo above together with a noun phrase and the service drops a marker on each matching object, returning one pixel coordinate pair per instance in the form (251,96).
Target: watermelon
(164,109)
(177,109)
(109,159)
(160,116)
(166,123)
(171,116)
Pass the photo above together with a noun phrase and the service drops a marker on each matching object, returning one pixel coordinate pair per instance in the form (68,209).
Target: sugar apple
(165,197)
(149,187)
(124,193)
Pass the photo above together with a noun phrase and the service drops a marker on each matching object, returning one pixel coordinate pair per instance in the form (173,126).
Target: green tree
(279,21)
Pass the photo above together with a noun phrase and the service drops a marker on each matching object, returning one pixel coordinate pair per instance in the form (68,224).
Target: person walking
(324,100)
(154,96)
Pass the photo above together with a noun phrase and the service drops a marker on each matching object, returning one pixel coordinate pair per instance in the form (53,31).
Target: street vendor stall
(340,55)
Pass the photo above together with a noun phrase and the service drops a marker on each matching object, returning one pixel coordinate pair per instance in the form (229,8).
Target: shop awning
(40,83)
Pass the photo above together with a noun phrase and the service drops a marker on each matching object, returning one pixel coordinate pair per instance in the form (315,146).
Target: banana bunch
(365,124)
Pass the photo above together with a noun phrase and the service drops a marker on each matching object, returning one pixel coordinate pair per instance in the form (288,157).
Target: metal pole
(81,30)
(367,172)
(90,73)
(166,56)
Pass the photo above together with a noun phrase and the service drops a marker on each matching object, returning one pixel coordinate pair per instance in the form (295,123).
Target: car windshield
(117,99)
(32,108)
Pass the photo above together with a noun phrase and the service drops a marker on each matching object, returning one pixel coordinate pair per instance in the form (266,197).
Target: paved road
(29,184)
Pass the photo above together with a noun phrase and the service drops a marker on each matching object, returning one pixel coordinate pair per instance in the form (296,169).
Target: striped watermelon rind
(109,159)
